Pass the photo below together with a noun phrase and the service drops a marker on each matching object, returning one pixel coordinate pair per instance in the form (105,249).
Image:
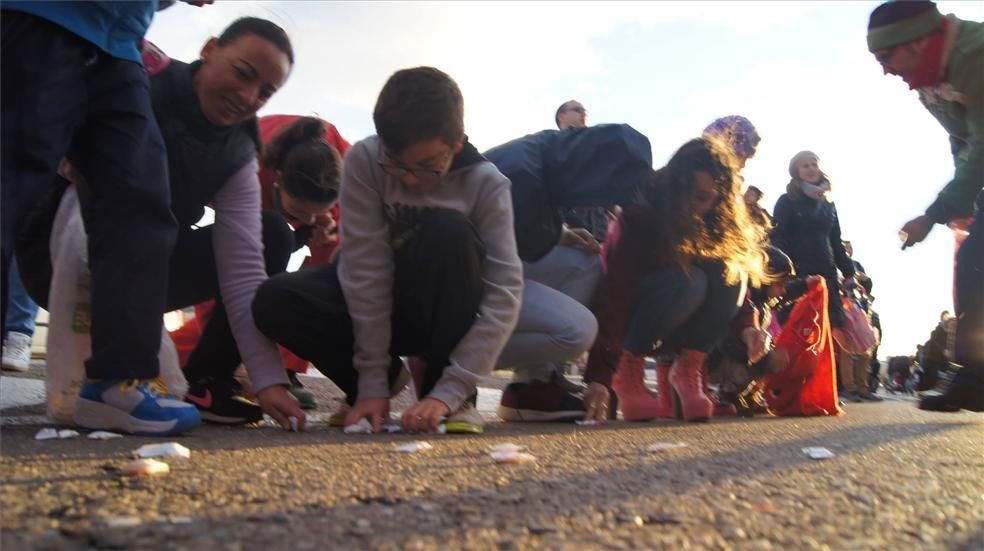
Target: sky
(800,71)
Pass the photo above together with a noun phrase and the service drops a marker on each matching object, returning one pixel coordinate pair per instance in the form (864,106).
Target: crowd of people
(434,263)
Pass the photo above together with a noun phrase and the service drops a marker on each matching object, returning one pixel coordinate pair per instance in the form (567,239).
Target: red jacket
(627,254)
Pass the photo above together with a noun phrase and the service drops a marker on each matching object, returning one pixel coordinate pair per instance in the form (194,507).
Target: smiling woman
(206,111)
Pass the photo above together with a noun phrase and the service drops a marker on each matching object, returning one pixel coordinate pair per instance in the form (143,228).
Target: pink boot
(637,403)
(688,389)
(664,395)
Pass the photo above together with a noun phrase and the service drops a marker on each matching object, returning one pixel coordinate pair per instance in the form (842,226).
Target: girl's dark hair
(262,28)
(725,233)
(310,168)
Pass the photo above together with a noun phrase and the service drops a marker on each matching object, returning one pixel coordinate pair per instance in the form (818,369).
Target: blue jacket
(117,28)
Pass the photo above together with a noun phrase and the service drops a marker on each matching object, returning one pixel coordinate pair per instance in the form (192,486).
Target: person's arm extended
(956,200)
(502,273)
(237,239)
(365,271)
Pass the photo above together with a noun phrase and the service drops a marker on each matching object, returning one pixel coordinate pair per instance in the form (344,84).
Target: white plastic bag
(68,307)
(171,372)
(69,340)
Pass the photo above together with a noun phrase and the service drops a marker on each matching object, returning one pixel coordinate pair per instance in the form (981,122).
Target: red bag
(808,386)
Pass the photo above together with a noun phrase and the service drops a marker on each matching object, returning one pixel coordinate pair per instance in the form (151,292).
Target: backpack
(551,170)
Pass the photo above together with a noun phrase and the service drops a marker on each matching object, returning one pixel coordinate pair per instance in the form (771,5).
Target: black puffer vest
(201,156)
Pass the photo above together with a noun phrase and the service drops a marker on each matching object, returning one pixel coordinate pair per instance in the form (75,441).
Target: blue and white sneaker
(137,406)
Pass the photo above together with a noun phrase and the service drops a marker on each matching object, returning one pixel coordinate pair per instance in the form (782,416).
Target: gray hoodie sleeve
(365,271)
(502,274)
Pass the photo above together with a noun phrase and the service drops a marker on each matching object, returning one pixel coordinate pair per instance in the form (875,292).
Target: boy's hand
(279,404)
(596,402)
(373,409)
(425,416)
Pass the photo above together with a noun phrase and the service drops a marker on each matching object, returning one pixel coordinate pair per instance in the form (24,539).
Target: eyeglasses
(424,175)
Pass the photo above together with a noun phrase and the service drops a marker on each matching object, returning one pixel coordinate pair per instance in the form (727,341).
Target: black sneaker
(540,401)
(305,399)
(965,391)
(221,401)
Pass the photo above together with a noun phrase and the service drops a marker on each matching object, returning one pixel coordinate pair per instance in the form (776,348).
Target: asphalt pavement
(899,478)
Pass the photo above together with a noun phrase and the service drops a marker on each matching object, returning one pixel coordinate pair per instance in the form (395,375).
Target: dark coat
(809,232)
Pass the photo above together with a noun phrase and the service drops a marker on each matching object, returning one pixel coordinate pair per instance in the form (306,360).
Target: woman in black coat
(807,228)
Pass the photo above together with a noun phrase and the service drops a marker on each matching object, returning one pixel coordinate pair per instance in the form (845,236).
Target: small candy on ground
(818,453)
(507,447)
(167,449)
(46,434)
(146,467)
(414,447)
(363,426)
(103,435)
(512,457)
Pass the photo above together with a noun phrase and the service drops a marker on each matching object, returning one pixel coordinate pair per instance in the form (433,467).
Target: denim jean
(21,310)
(681,308)
(555,324)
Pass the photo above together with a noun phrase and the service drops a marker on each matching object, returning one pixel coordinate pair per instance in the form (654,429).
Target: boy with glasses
(427,265)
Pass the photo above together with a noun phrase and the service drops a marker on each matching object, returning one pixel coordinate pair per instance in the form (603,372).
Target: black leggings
(436,293)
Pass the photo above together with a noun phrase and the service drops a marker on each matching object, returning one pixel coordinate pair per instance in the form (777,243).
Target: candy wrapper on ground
(168,449)
(512,457)
(146,467)
(414,447)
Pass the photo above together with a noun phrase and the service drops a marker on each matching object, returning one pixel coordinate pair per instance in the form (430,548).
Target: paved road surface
(900,479)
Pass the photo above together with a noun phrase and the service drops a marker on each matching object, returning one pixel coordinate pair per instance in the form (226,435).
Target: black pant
(969,283)
(436,293)
(63,97)
(193,279)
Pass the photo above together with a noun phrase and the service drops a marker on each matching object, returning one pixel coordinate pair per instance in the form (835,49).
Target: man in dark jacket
(941,57)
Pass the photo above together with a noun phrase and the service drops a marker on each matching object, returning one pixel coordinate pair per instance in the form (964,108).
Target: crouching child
(427,267)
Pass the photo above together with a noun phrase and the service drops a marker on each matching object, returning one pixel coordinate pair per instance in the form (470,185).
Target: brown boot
(688,389)
(637,403)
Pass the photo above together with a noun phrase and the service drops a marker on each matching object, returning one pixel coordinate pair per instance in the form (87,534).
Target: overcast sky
(799,70)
